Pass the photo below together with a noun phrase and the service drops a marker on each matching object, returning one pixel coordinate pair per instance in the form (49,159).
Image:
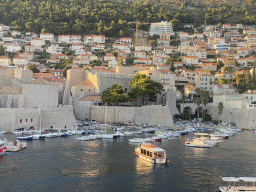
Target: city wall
(57,117)
(154,114)
(243,118)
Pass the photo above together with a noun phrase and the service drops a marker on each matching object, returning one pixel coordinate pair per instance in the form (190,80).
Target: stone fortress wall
(154,115)
(42,118)
(243,118)
(24,104)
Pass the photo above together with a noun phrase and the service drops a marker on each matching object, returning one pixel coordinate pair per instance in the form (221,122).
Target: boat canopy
(230,179)
(248,179)
(236,179)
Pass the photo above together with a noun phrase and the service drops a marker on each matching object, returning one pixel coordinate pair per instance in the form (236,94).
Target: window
(20,120)
(81,89)
(26,120)
(31,120)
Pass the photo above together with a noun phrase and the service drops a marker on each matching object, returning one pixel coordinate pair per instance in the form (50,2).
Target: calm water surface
(65,164)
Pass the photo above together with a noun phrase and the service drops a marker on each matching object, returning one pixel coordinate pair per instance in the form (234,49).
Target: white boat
(128,133)
(12,146)
(37,136)
(197,142)
(84,138)
(107,136)
(151,153)
(2,132)
(50,135)
(250,181)
(137,140)
(17,132)
(93,137)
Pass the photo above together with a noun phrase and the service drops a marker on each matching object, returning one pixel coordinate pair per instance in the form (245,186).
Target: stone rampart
(154,114)
(243,118)
(57,117)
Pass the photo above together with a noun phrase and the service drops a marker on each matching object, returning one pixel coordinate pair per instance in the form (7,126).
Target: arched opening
(199,112)
(187,113)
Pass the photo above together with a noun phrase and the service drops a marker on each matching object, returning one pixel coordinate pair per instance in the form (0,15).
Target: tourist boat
(27,138)
(2,147)
(233,188)
(151,153)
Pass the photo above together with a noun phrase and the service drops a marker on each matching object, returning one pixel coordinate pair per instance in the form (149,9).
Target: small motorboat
(37,136)
(2,132)
(27,138)
(84,138)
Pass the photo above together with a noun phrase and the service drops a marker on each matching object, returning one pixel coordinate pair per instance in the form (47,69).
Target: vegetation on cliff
(112,17)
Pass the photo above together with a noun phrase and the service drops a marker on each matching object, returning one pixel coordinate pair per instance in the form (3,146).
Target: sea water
(67,164)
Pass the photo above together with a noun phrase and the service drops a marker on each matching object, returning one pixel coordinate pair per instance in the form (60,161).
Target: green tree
(33,68)
(220,108)
(2,52)
(114,94)
(145,87)
(121,62)
(198,103)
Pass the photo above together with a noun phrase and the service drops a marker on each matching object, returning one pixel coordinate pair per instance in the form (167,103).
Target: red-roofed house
(52,60)
(109,57)
(59,56)
(242,52)
(5,61)
(210,66)
(20,61)
(143,60)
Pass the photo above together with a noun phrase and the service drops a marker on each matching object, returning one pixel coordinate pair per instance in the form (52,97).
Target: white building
(47,37)
(162,27)
(13,48)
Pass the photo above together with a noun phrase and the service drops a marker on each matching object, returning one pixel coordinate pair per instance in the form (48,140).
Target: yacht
(202,142)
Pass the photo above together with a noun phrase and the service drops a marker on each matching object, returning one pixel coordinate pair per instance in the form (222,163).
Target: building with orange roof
(242,52)
(210,66)
(59,56)
(143,48)
(146,61)
(5,61)
(224,74)
(52,60)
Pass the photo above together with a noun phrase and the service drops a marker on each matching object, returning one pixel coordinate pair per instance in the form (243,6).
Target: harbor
(111,165)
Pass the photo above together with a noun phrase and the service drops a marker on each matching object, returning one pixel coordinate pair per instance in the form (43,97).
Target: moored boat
(27,138)
(250,184)
(2,147)
(152,153)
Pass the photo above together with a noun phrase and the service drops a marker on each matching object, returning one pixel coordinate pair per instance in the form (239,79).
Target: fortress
(26,103)
(83,84)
